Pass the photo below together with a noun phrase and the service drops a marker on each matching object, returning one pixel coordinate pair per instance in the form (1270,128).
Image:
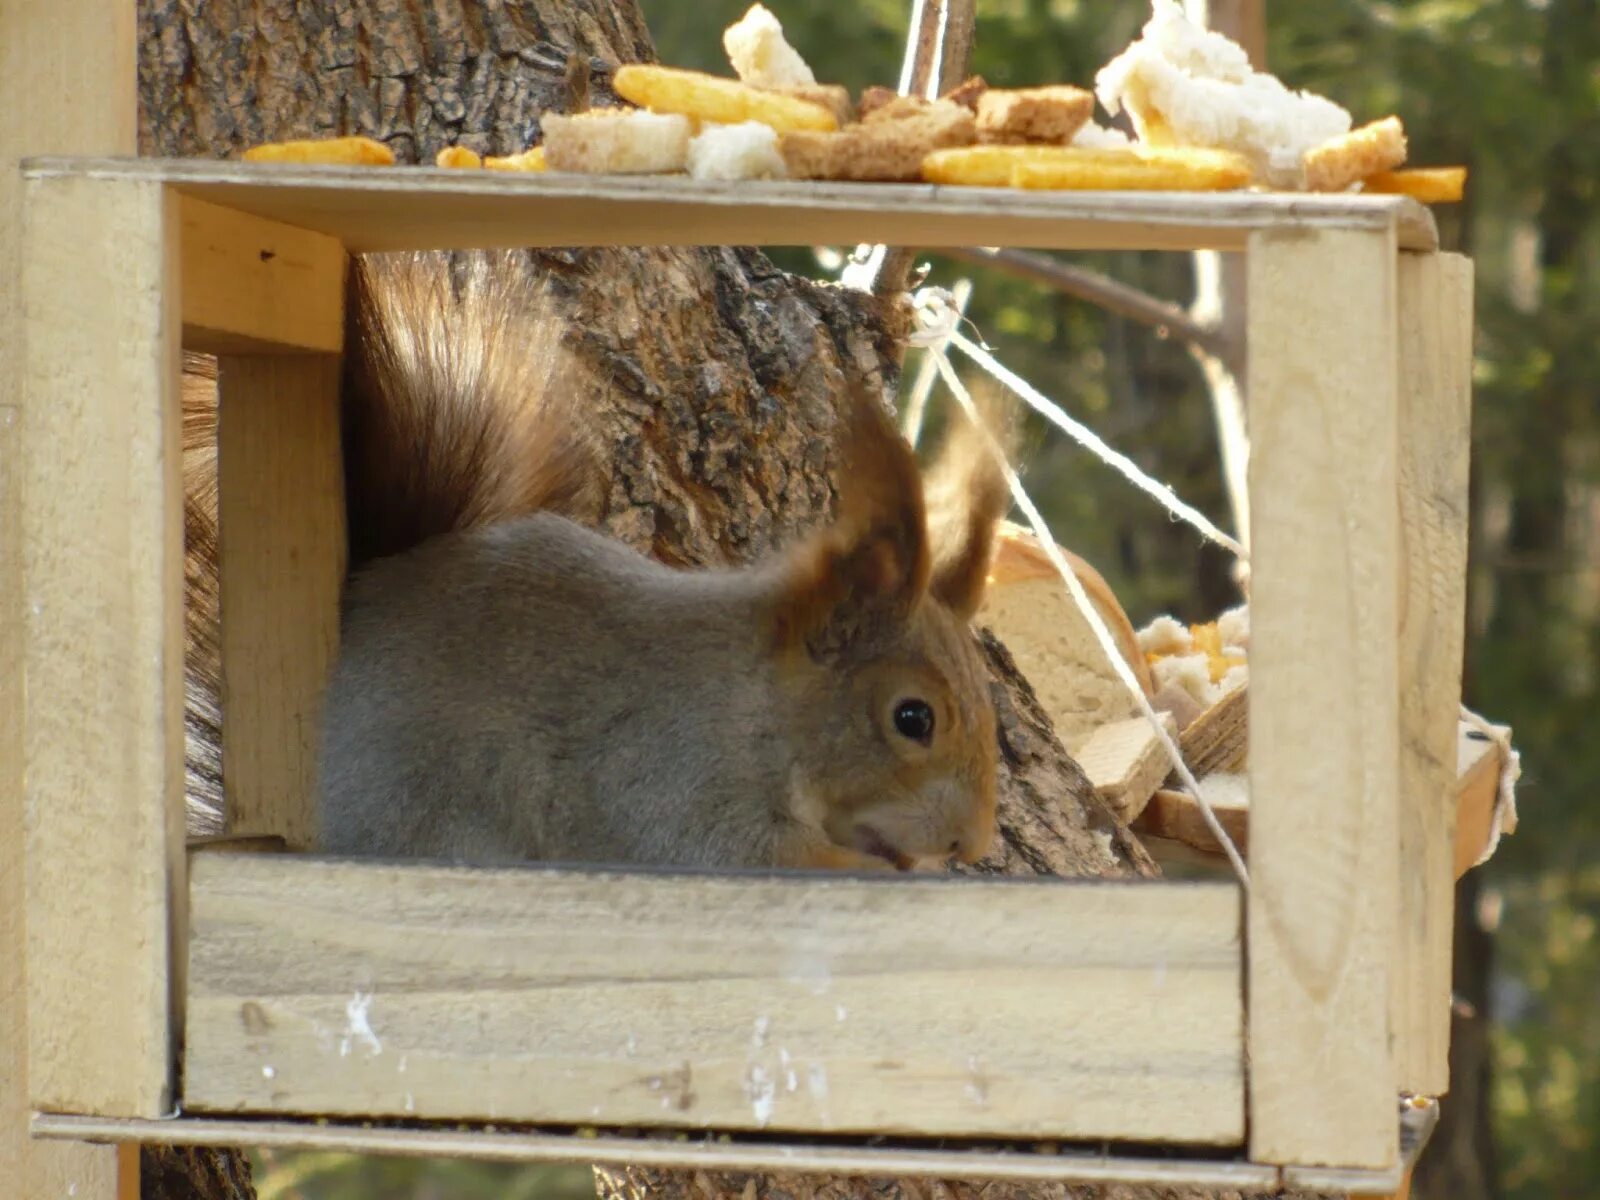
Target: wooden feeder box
(222,997)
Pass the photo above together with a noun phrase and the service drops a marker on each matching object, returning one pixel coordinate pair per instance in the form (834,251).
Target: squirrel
(513,685)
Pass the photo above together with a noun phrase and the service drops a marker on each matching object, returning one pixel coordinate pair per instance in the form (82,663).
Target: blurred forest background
(1512,89)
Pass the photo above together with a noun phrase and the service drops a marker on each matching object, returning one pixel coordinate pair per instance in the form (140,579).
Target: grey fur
(499,697)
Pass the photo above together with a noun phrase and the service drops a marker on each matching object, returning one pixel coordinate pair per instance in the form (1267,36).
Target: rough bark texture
(194,1173)
(716,375)
(726,1185)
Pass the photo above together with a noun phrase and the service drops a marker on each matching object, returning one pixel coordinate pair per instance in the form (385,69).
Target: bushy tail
(459,408)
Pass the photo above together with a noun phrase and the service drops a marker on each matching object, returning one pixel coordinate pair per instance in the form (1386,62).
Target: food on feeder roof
(761,55)
(1097,137)
(1205,661)
(621,141)
(712,98)
(831,96)
(886,149)
(1354,156)
(529,160)
(341,151)
(458,157)
(1135,168)
(1184,85)
(1047,115)
(745,151)
(981,166)
(1430,185)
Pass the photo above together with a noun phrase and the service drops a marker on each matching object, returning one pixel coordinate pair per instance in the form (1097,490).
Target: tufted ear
(861,577)
(967,496)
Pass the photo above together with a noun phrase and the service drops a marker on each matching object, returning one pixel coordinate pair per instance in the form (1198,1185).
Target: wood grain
(103,553)
(281,504)
(391,208)
(251,285)
(48,49)
(1435,293)
(1324,690)
(934,1007)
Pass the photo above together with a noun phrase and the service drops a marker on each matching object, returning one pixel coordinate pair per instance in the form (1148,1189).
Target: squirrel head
(896,747)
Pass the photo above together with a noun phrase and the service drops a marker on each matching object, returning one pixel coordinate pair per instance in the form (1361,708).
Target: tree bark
(717,377)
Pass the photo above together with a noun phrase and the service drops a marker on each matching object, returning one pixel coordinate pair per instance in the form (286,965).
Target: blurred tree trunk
(717,376)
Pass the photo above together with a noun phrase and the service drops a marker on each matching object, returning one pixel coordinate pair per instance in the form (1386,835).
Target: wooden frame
(316,988)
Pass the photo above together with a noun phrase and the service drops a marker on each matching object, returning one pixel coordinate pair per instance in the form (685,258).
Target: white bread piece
(1188,86)
(748,150)
(616,141)
(1190,673)
(1094,136)
(761,55)
(1165,635)
(1233,627)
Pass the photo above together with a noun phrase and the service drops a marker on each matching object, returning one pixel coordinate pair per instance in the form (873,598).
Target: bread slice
(761,55)
(888,149)
(745,151)
(1043,114)
(619,141)
(1342,161)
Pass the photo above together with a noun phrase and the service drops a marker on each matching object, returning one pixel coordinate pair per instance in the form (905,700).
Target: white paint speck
(817,1084)
(633,1045)
(839,1013)
(762,1092)
(358,1026)
(72,1189)
(811,971)
(758,1038)
(791,1081)
(402,1067)
(411,1102)
(269,1073)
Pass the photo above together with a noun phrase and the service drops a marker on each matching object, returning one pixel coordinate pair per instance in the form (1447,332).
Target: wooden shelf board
(620,1150)
(395,208)
(838,1005)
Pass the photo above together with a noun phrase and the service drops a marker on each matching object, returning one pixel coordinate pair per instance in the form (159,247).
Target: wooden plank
(48,50)
(103,553)
(1435,447)
(374,208)
(252,285)
(934,1007)
(1020,1163)
(281,501)
(1479,764)
(1323,383)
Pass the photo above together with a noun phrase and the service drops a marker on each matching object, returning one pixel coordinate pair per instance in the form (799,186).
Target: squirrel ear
(967,495)
(862,576)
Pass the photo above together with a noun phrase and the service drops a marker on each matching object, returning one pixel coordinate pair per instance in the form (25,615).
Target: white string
(930,319)
(1079,597)
(1087,438)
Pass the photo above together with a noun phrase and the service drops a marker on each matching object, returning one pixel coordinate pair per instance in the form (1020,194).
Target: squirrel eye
(914,719)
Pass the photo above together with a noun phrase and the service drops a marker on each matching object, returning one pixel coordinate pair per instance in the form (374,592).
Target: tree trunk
(716,375)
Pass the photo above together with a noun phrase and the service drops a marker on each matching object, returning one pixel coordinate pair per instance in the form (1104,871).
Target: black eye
(914,719)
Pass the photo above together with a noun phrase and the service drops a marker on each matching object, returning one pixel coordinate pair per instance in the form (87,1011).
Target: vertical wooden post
(281,495)
(1324,688)
(103,555)
(85,50)
(1435,292)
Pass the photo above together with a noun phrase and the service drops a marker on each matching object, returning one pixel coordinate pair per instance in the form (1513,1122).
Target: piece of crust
(966,92)
(620,141)
(340,151)
(874,98)
(1050,115)
(458,156)
(1428,185)
(1339,162)
(882,151)
(831,96)
(532,159)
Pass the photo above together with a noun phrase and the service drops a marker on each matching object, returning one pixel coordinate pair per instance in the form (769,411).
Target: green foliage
(1509,87)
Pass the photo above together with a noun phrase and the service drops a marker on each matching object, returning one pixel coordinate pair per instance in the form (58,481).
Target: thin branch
(1098,289)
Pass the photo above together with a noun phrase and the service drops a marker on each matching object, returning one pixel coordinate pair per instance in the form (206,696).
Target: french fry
(1174,169)
(531,159)
(342,151)
(457,156)
(982,166)
(1430,185)
(712,98)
